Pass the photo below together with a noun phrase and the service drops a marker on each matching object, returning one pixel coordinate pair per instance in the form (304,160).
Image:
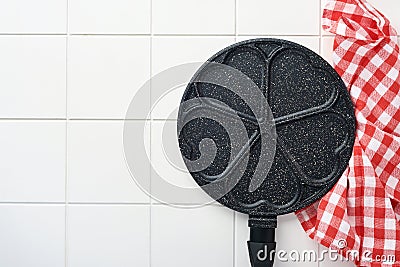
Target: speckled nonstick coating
(313,146)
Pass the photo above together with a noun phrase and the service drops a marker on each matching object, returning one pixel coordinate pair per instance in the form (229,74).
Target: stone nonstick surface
(314,121)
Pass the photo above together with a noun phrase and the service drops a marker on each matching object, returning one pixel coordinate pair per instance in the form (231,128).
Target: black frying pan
(279,125)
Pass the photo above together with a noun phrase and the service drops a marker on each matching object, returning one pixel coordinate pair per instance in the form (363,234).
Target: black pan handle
(262,243)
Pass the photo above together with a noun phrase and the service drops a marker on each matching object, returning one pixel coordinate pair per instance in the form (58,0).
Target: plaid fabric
(361,213)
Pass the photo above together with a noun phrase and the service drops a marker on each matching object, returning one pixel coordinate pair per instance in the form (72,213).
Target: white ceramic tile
(104,16)
(169,52)
(172,51)
(311,42)
(97,171)
(105,73)
(284,17)
(327,48)
(32,76)
(168,166)
(108,236)
(390,8)
(289,236)
(191,237)
(193,17)
(242,234)
(32,157)
(32,235)
(39,16)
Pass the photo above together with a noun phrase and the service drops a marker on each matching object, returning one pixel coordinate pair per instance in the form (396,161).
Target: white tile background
(69,69)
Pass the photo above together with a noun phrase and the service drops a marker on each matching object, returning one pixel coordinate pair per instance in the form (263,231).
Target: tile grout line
(75,203)
(177,35)
(32,119)
(55,203)
(83,119)
(150,130)
(66,192)
(236,20)
(32,34)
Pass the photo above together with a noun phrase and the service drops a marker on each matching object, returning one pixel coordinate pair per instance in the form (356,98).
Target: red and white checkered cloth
(362,211)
